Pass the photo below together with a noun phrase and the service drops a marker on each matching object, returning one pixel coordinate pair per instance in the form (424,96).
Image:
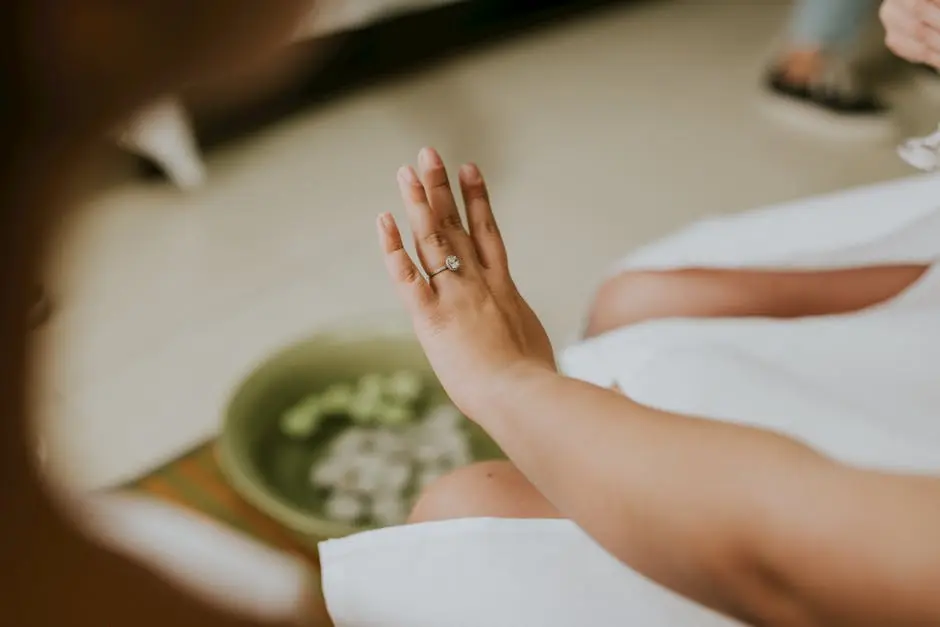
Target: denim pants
(829,24)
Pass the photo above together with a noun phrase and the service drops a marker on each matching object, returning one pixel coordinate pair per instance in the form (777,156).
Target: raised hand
(476,329)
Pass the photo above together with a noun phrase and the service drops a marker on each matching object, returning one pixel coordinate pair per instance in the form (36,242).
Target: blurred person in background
(70,72)
(813,77)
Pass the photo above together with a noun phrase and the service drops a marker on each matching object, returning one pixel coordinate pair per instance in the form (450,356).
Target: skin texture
(797,540)
(912,29)
(634,297)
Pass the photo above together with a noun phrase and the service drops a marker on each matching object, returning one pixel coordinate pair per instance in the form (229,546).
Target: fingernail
(385,220)
(406,175)
(470,173)
(429,158)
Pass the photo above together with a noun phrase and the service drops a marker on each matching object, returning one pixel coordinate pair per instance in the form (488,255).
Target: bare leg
(633,297)
(483,490)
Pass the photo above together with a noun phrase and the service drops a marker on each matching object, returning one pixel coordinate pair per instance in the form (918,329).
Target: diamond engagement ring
(452,263)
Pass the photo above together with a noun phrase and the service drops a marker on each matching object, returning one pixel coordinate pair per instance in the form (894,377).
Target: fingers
(433,176)
(914,41)
(408,280)
(912,29)
(434,218)
(430,242)
(926,11)
(484,231)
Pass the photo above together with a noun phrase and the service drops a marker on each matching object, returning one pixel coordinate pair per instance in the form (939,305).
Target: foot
(822,92)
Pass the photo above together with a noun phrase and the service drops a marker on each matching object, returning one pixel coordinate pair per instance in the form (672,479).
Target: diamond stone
(452,263)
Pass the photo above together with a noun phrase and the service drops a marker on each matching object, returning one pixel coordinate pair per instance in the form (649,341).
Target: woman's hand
(475,328)
(912,29)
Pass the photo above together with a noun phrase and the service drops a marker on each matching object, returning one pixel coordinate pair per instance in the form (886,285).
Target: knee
(634,297)
(493,489)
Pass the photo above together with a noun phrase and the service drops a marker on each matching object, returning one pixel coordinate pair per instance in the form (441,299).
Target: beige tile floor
(597,136)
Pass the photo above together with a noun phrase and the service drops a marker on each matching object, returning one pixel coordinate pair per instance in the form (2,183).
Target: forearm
(675,497)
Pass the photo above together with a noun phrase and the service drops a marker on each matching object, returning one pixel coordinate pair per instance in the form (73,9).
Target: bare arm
(748,522)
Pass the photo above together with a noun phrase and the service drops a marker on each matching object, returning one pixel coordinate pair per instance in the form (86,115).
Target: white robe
(863,388)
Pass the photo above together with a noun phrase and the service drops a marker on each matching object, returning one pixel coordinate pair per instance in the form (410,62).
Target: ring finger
(434,243)
(443,205)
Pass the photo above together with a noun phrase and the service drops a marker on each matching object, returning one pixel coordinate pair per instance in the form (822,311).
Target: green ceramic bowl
(270,470)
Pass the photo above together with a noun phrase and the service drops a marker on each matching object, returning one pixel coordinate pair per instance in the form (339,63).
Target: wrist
(510,392)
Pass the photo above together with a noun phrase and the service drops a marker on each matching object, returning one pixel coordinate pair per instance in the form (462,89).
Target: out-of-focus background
(599,128)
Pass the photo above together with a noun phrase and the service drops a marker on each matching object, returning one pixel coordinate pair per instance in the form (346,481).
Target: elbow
(763,578)
(765,598)
(730,577)
(744,584)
